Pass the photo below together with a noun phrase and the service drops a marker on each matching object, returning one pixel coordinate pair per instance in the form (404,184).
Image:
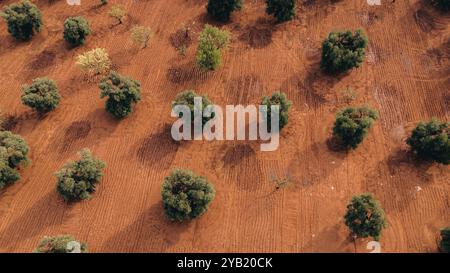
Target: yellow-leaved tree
(141,35)
(117,12)
(95,61)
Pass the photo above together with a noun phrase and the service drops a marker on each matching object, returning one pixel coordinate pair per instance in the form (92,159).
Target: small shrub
(61,244)
(8,175)
(42,95)
(117,12)
(182,50)
(141,35)
(13,154)
(7,121)
(122,92)
(431,141)
(211,41)
(76,29)
(352,125)
(348,95)
(281,182)
(95,61)
(365,217)
(77,179)
(443,5)
(282,10)
(221,10)
(208,57)
(16,149)
(280,99)
(187,98)
(215,37)
(23,19)
(103,2)
(444,244)
(185,195)
(342,51)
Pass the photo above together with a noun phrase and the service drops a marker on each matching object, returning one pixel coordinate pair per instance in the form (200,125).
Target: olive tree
(280,99)
(208,57)
(23,19)
(365,217)
(352,125)
(282,10)
(42,95)
(76,29)
(141,35)
(13,154)
(211,41)
(187,98)
(444,244)
(16,149)
(215,36)
(117,12)
(221,10)
(8,175)
(77,179)
(185,195)
(122,92)
(342,51)
(61,244)
(431,141)
(95,61)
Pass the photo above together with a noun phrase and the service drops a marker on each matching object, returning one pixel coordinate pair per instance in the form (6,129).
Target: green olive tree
(185,195)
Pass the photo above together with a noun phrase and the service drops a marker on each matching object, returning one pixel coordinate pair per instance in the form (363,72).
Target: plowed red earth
(405,76)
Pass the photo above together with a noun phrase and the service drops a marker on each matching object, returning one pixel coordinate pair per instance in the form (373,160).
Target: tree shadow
(427,19)
(9,44)
(407,175)
(24,122)
(150,232)
(321,8)
(158,148)
(48,211)
(183,37)
(40,64)
(319,166)
(77,130)
(334,144)
(426,4)
(9,122)
(43,60)
(314,89)
(188,72)
(86,132)
(259,34)
(240,163)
